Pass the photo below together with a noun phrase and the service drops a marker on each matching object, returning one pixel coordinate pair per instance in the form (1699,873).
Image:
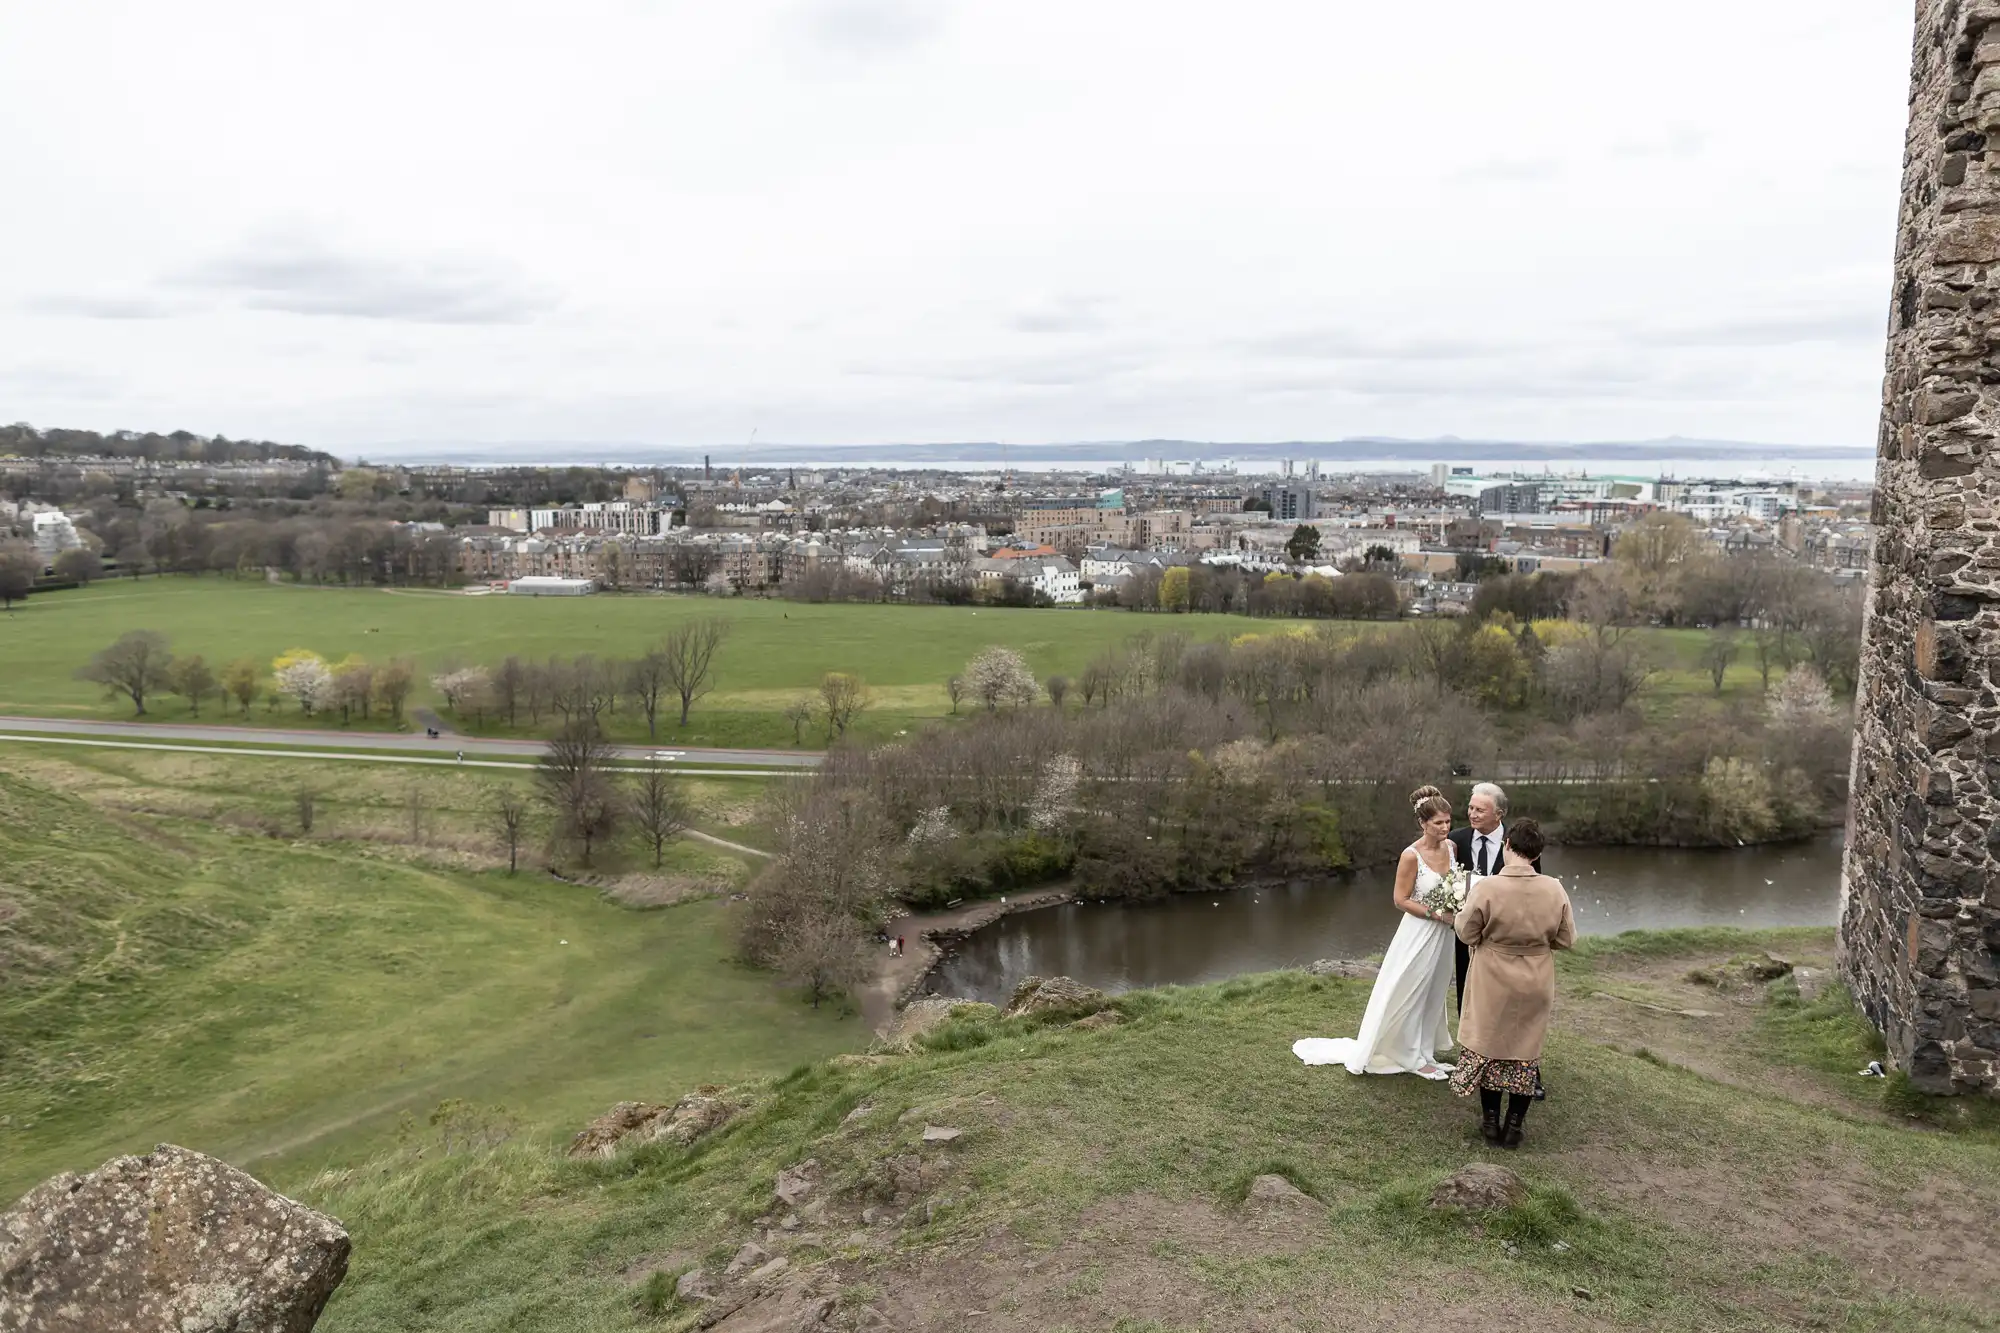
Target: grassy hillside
(281,1002)
(776,650)
(1706,1161)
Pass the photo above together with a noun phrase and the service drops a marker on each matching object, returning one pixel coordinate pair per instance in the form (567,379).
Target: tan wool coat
(1511,922)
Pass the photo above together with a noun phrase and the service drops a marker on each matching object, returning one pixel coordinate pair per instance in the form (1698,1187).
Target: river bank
(1191,938)
(927,935)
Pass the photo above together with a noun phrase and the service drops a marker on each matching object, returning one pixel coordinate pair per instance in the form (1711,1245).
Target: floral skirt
(1476,1072)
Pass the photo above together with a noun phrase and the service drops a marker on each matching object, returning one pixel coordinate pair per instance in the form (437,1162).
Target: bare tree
(572,779)
(19,567)
(1717,654)
(392,685)
(822,951)
(843,697)
(799,712)
(510,818)
(192,680)
(659,807)
(688,657)
(417,801)
(646,680)
(955,690)
(303,801)
(509,683)
(137,665)
(1058,690)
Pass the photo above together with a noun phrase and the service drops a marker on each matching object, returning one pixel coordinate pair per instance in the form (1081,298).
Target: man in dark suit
(1478,850)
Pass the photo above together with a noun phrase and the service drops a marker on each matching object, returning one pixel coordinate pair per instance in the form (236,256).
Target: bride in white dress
(1404,1027)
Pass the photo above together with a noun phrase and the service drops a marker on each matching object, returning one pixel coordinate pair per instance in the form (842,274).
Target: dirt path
(895,976)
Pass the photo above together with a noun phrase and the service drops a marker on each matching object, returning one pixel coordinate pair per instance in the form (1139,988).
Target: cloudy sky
(863,221)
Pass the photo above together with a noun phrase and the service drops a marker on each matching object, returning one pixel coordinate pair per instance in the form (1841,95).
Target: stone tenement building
(1920,908)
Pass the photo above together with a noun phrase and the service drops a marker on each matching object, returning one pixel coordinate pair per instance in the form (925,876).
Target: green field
(170,971)
(776,651)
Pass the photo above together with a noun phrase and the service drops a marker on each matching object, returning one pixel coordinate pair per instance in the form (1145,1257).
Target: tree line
(1191,765)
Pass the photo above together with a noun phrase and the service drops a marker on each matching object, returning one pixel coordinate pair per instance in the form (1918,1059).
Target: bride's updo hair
(1429,803)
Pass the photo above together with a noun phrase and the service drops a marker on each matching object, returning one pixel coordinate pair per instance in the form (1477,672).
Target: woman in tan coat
(1511,921)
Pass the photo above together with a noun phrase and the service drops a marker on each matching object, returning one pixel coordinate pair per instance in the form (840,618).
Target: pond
(1204,937)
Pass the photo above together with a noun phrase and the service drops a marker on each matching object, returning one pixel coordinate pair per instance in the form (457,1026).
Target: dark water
(1203,937)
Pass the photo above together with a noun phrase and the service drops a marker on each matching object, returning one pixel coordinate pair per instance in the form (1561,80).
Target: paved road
(446,747)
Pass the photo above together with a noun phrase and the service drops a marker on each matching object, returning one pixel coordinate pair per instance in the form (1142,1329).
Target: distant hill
(178,446)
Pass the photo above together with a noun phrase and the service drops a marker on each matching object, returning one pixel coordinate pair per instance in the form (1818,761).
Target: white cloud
(854,221)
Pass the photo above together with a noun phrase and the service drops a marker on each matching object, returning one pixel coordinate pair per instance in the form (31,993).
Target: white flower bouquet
(1450,891)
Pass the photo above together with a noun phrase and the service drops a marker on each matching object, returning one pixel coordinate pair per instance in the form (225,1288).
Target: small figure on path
(461,756)
(899,946)
(1512,922)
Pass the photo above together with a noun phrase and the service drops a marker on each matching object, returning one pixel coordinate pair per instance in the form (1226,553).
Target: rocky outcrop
(1920,885)
(1276,1194)
(171,1242)
(1035,995)
(630,1124)
(1480,1187)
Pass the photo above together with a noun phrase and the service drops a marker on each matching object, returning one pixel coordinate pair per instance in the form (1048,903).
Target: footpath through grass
(281,1002)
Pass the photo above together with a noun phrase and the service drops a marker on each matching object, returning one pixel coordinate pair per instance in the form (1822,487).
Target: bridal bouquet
(1449,895)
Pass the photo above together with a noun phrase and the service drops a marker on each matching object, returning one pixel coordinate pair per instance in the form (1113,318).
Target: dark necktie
(1482,854)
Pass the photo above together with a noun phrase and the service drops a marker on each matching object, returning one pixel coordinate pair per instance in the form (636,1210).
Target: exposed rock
(796,1182)
(861,1112)
(1277,1192)
(1739,973)
(746,1259)
(1811,981)
(919,1017)
(876,1217)
(172,1241)
(764,1272)
(629,1124)
(695,1287)
(1103,1018)
(790,1310)
(940,1134)
(1037,995)
(897,1180)
(1480,1187)
(1353,969)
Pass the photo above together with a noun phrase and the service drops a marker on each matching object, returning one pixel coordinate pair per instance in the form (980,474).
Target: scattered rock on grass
(1103,1018)
(171,1240)
(796,1182)
(1037,995)
(1348,968)
(746,1259)
(1276,1192)
(1480,1187)
(630,1124)
(695,1287)
(940,1133)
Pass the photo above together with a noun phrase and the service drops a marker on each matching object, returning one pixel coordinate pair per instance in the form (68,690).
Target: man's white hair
(1491,791)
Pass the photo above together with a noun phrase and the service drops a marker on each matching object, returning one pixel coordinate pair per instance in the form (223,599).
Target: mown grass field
(776,651)
(170,972)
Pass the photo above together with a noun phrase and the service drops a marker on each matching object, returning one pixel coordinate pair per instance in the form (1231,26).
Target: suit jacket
(1461,840)
(1511,922)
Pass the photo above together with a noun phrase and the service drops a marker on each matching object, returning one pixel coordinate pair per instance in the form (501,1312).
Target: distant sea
(1672,457)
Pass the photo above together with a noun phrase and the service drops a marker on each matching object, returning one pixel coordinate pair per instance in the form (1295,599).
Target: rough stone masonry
(1920,901)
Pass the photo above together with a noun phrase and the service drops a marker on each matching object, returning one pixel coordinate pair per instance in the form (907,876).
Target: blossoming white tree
(306,678)
(1000,676)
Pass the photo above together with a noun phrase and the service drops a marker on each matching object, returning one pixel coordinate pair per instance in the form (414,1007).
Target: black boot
(1489,1115)
(1517,1111)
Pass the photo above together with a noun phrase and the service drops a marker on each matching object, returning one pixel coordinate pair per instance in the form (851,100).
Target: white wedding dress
(1404,1027)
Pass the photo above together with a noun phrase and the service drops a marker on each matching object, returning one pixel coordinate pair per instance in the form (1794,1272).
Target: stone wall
(1920,910)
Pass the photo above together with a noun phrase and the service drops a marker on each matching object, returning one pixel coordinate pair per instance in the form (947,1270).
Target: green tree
(1174,585)
(18,567)
(1303,546)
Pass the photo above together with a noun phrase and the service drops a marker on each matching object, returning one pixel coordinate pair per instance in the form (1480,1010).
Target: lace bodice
(1427,878)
